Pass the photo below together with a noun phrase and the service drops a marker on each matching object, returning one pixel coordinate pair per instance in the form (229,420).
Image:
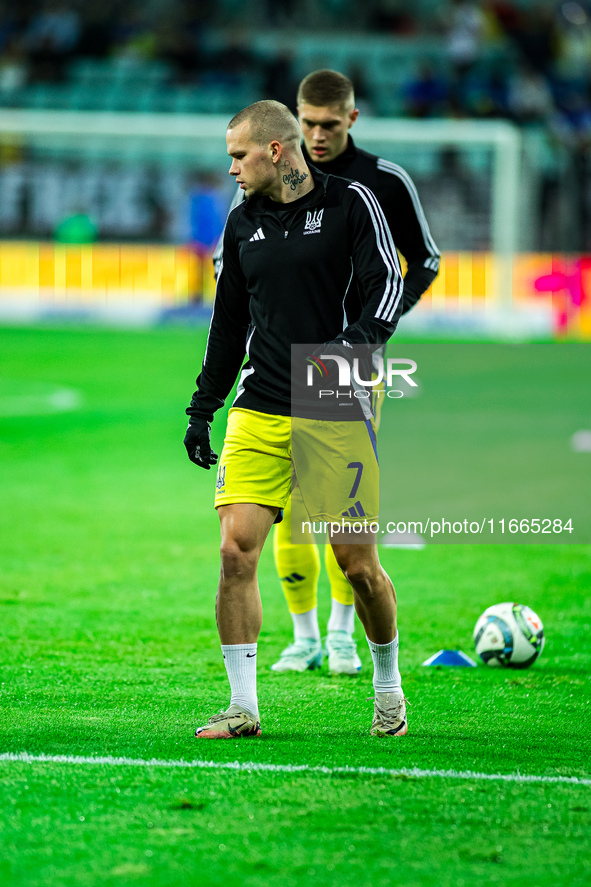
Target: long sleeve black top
(288,273)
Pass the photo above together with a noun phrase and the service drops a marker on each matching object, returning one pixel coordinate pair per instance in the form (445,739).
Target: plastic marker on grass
(450,657)
(581,441)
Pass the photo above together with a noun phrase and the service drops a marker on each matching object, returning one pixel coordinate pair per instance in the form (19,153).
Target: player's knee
(238,558)
(360,576)
(358,571)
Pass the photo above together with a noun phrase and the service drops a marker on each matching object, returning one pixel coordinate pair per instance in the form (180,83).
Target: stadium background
(108,543)
(526,64)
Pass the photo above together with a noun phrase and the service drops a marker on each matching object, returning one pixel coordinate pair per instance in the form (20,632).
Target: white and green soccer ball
(509,634)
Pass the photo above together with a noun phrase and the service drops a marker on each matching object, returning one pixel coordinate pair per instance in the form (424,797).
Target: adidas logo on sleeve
(258,235)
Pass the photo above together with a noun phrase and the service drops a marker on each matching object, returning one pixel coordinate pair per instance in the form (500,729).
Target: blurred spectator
(338,11)
(486,94)
(279,82)
(178,46)
(536,37)
(51,39)
(456,194)
(208,208)
(135,34)
(509,18)
(392,16)
(529,98)
(427,93)
(9,25)
(76,228)
(231,65)
(572,120)
(363,95)
(159,221)
(573,41)
(56,26)
(13,68)
(96,31)
(571,125)
(465,31)
(195,15)
(280,14)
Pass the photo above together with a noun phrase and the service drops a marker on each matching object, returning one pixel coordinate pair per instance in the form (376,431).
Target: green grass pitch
(108,569)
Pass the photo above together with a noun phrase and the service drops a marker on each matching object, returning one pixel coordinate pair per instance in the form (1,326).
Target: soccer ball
(509,634)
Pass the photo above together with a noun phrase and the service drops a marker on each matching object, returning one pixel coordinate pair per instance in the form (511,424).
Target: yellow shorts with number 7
(334,463)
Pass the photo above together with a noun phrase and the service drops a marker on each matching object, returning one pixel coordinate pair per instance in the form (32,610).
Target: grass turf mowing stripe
(252,766)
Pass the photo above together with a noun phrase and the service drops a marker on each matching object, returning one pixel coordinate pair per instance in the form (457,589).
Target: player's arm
(406,218)
(375,266)
(224,353)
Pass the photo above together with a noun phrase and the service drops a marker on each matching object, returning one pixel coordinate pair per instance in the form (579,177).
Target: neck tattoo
(293,178)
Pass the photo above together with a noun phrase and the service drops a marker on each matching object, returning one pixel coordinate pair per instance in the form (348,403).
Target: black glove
(198,444)
(337,346)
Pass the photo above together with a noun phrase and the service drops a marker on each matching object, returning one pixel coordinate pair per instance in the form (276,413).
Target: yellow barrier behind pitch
(41,276)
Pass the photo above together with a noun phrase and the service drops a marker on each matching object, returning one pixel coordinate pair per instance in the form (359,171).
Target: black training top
(287,271)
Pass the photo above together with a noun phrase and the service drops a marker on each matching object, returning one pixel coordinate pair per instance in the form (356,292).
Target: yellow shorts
(337,470)
(377,402)
(334,463)
(255,465)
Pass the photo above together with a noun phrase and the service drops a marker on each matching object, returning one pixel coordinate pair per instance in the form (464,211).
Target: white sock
(342,617)
(305,625)
(241,664)
(386,677)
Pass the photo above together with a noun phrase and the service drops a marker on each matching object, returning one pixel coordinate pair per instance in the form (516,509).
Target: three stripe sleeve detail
(394,282)
(394,169)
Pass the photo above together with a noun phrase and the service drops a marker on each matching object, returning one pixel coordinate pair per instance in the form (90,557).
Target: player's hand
(339,347)
(336,347)
(198,444)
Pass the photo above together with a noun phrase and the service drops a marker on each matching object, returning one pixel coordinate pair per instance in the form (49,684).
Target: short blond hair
(269,121)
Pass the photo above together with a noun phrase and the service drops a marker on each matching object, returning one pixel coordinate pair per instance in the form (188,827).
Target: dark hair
(327,87)
(269,120)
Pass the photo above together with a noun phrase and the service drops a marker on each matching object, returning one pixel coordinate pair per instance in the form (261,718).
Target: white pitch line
(253,767)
